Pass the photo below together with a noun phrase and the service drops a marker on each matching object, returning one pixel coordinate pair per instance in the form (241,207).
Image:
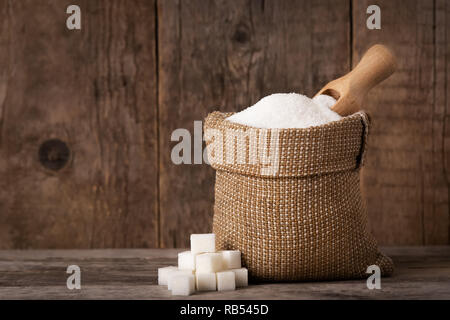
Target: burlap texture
(304,219)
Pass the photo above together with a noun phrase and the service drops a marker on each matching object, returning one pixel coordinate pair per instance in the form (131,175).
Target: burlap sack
(290,200)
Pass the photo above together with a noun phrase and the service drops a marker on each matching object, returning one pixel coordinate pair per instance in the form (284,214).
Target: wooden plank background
(114,91)
(95,90)
(405,180)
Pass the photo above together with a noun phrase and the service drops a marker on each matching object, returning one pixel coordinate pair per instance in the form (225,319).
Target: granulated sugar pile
(288,110)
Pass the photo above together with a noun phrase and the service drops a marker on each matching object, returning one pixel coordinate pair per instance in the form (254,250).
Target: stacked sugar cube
(204,269)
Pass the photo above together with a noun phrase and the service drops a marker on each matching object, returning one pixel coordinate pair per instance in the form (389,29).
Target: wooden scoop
(377,64)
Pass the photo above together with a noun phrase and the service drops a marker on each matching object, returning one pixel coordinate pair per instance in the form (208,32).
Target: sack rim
(331,147)
(344,120)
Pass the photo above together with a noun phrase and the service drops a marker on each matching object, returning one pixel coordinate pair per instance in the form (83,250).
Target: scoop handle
(377,64)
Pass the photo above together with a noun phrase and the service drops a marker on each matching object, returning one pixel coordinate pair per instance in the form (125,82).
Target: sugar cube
(205,281)
(226,280)
(182,284)
(175,273)
(209,263)
(231,258)
(241,276)
(203,243)
(186,260)
(163,274)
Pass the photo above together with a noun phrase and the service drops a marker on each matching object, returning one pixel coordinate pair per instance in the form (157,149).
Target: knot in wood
(54,154)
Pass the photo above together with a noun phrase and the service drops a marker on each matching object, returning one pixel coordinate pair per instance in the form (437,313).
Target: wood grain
(95,90)
(437,220)
(226,55)
(114,92)
(404,180)
(421,273)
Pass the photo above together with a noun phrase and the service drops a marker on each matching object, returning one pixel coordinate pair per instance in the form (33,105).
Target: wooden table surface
(421,273)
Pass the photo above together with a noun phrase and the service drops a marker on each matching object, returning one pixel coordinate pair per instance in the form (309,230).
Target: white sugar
(287,110)
(324,100)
